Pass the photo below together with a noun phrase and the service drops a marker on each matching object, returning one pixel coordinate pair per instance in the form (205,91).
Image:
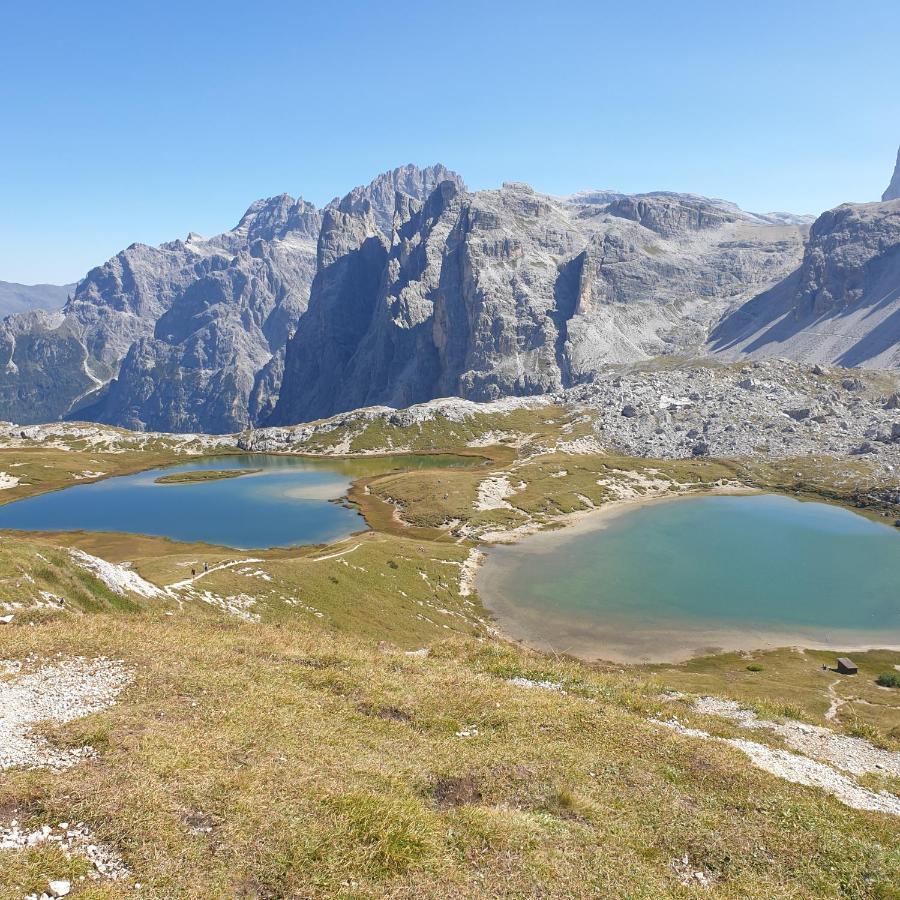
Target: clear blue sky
(139,121)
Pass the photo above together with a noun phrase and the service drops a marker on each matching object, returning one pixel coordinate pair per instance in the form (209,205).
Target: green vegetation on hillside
(200,476)
(343,721)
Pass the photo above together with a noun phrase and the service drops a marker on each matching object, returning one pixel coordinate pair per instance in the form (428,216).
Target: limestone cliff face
(504,292)
(380,195)
(893,189)
(187,336)
(413,287)
(843,303)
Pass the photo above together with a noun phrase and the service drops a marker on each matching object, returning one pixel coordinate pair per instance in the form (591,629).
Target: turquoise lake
(289,502)
(668,580)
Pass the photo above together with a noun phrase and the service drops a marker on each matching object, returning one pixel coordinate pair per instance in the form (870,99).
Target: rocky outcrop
(380,195)
(188,336)
(893,189)
(413,287)
(511,292)
(776,407)
(841,306)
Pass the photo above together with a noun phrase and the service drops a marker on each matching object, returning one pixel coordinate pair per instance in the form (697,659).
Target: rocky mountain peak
(273,218)
(893,189)
(381,193)
(413,287)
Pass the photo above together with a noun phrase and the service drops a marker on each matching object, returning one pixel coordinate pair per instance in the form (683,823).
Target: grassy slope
(324,765)
(42,469)
(326,762)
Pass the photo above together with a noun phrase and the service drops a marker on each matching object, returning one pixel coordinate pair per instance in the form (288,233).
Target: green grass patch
(201,476)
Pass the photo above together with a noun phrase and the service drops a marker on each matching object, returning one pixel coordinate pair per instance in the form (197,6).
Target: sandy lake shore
(617,641)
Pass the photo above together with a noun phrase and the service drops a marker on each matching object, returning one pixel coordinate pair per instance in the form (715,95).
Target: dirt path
(187,582)
(836,701)
(333,555)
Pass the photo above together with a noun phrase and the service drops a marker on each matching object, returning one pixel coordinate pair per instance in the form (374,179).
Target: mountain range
(414,287)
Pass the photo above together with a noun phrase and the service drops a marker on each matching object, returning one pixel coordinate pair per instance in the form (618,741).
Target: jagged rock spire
(893,190)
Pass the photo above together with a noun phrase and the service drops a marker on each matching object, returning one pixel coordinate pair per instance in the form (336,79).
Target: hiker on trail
(205,567)
(193,572)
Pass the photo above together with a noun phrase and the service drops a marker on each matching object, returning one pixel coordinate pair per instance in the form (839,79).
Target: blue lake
(667,580)
(289,502)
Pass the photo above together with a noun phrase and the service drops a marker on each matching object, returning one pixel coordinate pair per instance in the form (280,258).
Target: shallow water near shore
(664,581)
(290,501)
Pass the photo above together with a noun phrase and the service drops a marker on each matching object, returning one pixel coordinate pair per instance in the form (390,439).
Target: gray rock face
(494,293)
(413,288)
(893,189)
(841,306)
(176,305)
(19,298)
(188,336)
(210,349)
(381,193)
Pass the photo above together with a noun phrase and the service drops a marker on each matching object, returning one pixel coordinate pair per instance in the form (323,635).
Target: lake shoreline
(590,645)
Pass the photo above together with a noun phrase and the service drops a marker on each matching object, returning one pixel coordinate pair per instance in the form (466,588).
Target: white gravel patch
(57,693)
(492,493)
(240,605)
(467,572)
(116,578)
(851,754)
(583,446)
(531,684)
(800,770)
(73,839)
(254,573)
(187,582)
(7,481)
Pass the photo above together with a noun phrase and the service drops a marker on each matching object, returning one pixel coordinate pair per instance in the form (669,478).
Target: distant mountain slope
(186,336)
(70,355)
(841,306)
(413,287)
(19,298)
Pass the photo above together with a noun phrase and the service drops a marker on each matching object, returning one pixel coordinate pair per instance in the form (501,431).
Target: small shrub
(888,679)
(754,667)
(864,730)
